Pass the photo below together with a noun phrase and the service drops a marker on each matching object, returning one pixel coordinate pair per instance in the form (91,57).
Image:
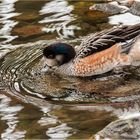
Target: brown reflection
(28,27)
(126,127)
(82,121)
(76,120)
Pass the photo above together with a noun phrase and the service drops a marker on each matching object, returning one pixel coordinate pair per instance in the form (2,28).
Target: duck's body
(94,64)
(99,52)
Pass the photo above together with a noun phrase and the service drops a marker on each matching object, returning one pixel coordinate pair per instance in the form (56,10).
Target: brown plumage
(100,52)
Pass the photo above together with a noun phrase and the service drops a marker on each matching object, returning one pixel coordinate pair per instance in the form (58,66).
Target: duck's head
(58,54)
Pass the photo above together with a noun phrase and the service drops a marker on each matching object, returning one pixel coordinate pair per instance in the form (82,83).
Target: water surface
(34,104)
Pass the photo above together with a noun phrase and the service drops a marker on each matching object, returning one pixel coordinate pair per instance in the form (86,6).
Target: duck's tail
(130,53)
(134,53)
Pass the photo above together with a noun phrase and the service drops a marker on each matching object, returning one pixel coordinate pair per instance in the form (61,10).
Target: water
(46,106)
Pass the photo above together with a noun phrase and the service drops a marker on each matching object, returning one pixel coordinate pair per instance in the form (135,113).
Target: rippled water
(34,104)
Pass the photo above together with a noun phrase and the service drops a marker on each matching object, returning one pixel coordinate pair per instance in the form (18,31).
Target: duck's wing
(103,40)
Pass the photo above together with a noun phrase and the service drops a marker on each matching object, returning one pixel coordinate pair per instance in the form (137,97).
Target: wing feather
(103,40)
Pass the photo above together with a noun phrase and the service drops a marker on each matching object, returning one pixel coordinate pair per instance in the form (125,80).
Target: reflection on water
(7,11)
(124,19)
(59,132)
(126,127)
(59,12)
(37,105)
(8,114)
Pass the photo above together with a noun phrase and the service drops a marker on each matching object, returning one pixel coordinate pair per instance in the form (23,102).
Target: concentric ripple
(21,75)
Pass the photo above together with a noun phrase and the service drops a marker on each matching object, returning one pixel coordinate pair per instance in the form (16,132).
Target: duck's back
(101,41)
(101,52)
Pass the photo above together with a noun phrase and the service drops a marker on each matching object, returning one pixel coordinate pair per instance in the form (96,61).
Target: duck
(119,7)
(99,52)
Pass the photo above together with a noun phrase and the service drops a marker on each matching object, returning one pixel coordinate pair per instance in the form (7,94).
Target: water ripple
(23,76)
(8,114)
(58,18)
(60,132)
(7,11)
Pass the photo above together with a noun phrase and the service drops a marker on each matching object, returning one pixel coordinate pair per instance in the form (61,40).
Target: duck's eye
(50,56)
